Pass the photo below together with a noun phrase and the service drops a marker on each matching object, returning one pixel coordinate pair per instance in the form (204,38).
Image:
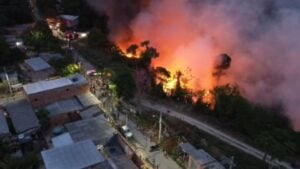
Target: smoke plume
(261,36)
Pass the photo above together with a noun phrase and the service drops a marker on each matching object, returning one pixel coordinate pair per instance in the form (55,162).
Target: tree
(123,78)
(132,49)
(147,56)
(40,38)
(43,116)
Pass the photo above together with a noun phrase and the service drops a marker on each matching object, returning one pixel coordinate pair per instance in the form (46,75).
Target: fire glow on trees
(263,37)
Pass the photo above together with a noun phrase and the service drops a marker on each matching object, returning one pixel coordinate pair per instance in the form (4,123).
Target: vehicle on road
(126,131)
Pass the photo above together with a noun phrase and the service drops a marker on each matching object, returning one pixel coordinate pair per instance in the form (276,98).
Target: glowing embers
(209,99)
(170,85)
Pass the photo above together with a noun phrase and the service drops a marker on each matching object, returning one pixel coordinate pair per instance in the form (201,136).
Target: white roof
(3,124)
(62,140)
(69,17)
(37,64)
(73,156)
(42,86)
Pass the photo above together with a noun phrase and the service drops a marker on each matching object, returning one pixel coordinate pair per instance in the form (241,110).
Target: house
(23,117)
(96,129)
(43,93)
(69,21)
(38,69)
(79,155)
(199,159)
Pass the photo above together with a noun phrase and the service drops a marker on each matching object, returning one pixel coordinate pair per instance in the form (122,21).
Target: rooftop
(96,129)
(64,106)
(37,64)
(3,124)
(201,156)
(90,112)
(69,17)
(73,156)
(22,115)
(43,86)
(87,99)
(62,140)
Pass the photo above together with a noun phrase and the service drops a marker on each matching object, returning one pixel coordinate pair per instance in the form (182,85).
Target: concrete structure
(38,69)
(43,93)
(199,159)
(80,155)
(22,116)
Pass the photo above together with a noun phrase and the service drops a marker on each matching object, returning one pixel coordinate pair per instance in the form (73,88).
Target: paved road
(144,143)
(217,133)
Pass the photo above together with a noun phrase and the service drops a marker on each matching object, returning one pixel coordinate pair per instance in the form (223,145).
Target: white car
(127,131)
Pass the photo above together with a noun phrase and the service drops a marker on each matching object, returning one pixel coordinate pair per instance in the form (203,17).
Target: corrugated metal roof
(74,156)
(62,140)
(22,115)
(37,64)
(201,156)
(64,106)
(96,128)
(3,124)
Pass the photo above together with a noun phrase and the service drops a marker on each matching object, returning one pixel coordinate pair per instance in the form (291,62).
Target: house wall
(47,97)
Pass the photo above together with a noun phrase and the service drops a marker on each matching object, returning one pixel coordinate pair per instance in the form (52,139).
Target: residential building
(43,93)
(199,159)
(38,69)
(80,155)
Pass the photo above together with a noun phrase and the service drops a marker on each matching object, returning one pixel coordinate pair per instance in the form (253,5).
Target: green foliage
(43,116)
(15,12)
(71,69)
(97,39)
(64,66)
(40,38)
(123,78)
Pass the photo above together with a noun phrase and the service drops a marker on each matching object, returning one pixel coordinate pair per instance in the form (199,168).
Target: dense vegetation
(123,78)
(40,38)
(15,12)
(266,127)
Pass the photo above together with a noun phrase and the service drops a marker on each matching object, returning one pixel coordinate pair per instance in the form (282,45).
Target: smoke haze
(261,36)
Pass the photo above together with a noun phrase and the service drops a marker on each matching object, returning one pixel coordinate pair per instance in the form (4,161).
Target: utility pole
(160,127)
(7,79)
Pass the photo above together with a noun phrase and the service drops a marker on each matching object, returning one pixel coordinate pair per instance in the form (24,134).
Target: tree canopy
(40,38)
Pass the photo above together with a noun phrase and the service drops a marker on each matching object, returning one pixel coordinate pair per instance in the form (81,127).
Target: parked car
(154,148)
(126,131)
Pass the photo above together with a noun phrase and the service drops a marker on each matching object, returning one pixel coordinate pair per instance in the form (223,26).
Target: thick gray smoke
(261,36)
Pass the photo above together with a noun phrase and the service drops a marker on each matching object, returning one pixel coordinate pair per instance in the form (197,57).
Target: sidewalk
(157,158)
